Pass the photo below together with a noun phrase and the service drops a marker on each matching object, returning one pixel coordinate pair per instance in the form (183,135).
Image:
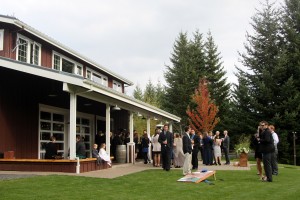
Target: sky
(135,38)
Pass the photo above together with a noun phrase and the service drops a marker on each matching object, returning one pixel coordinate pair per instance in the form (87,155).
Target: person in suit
(187,150)
(225,146)
(267,149)
(166,140)
(196,146)
(95,153)
(51,150)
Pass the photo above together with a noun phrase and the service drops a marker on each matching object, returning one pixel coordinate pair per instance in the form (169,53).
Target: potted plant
(242,149)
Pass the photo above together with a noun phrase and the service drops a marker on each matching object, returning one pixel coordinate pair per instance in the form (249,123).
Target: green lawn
(156,184)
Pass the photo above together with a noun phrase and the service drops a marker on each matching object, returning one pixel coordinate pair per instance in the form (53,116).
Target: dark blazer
(225,142)
(267,142)
(186,144)
(168,136)
(51,150)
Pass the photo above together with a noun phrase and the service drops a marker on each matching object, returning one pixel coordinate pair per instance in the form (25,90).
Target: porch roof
(89,89)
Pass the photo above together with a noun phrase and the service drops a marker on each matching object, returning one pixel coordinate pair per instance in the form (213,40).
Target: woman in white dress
(217,150)
(103,154)
(178,152)
(156,148)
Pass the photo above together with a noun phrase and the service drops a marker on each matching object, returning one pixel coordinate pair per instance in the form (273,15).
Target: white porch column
(171,127)
(149,136)
(72,138)
(107,129)
(131,145)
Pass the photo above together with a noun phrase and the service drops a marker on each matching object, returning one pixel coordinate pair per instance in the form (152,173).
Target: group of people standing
(182,150)
(265,143)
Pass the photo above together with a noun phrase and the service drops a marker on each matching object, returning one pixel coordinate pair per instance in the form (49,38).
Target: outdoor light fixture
(143,117)
(116,108)
(139,114)
(154,118)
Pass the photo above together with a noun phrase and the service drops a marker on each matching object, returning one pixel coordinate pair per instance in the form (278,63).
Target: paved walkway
(117,170)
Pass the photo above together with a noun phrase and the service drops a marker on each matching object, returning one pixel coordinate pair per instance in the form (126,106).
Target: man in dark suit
(225,146)
(166,140)
(187,150)
(196,145)
(267,148)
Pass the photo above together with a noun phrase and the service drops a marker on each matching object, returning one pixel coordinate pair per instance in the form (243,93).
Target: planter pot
(243,160)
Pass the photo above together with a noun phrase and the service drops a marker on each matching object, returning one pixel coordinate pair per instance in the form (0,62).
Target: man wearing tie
(166,140)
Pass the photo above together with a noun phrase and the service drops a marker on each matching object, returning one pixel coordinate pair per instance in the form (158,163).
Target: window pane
(58,117)
(43,145)
(58,127)
(45,136)
(36,54)
(97,78)
(88,74)
(67,66)
(59,136)
(56,62)
(85,122)
(45,126)
(22,50)
(79,70)
(60,146)
(45,115)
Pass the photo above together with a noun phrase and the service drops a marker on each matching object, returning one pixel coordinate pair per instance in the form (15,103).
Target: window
(96,77)
(28,51)
(1,39)
(65,64)
(117,86)
(51,124)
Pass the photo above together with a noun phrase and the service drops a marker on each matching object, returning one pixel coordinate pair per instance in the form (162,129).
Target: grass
(156,184)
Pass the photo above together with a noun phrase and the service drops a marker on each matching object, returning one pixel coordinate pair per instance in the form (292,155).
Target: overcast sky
(135,38)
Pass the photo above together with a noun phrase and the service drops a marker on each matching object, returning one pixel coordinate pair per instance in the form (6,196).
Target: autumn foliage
(203,117)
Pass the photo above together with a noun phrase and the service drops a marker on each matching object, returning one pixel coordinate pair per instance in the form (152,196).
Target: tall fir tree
(181,78)
(138,93)
(150,93)
(216,76)
(267,89)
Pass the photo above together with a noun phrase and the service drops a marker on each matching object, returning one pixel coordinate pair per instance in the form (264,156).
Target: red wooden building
(48,89)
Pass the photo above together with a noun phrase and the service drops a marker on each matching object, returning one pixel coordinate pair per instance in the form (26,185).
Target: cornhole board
(197,177)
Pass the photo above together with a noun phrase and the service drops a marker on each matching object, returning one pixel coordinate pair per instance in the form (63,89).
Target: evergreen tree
(216,76)
(180,78)
(267,89)
(138,93)
(160,93)
(150,93)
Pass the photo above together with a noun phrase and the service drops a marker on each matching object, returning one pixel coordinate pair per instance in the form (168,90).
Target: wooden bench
(51,165)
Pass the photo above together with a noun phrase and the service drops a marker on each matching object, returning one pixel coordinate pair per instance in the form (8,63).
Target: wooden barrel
(121,153)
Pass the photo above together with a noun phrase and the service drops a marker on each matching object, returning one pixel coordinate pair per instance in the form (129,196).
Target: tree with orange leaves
(203,117)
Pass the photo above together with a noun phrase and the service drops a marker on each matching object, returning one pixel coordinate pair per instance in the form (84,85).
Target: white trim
(117,86)
(1,39)
(29,42)
(29,29)
(74,71)
(108,95)
(95,73)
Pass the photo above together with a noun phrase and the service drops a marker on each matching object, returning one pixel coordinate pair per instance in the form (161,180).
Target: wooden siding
(20,96)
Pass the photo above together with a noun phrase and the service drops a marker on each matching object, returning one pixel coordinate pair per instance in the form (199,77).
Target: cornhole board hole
(197,177)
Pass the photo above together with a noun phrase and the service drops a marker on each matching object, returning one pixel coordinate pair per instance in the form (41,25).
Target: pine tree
(203,117)
(150,93)
(138,93)
(180,79)
(216,75)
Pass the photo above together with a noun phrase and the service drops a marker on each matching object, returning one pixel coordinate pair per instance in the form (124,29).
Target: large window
(28,51)
(52,124)
(96,77)
(62,63)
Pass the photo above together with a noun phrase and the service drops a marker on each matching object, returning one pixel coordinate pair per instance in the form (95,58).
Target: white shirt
(275,138)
